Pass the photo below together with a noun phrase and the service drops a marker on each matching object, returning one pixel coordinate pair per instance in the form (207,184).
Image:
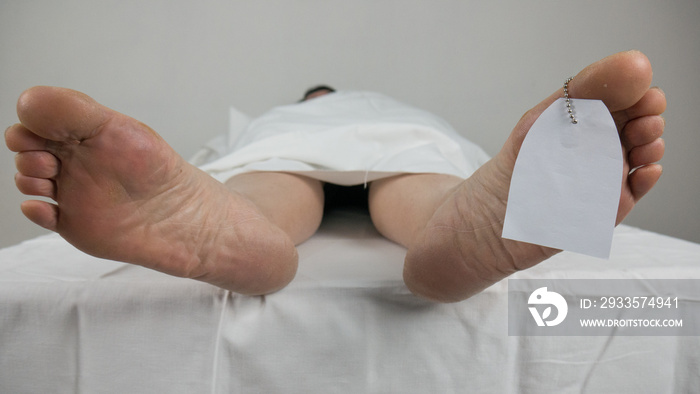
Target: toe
(19,139)
(35,186)
(37,164)
(652,103)
(642,131)
(647,154)
(42,213)
(643,179)
(638,184)
(60,114)
(620,80)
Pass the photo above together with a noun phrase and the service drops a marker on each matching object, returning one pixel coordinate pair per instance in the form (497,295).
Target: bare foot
(461,251)
(122,193)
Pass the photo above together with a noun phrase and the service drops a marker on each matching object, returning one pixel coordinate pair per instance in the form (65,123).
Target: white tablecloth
(72,323)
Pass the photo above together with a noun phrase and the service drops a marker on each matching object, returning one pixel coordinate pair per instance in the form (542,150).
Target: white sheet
(347,138)
(347,324)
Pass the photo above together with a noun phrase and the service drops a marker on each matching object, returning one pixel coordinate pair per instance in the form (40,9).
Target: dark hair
(317,89)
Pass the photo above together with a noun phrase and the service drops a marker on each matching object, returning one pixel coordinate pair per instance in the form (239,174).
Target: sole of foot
(123,193)
(461,252)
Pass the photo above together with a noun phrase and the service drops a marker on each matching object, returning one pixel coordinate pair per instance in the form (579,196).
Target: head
(317,91)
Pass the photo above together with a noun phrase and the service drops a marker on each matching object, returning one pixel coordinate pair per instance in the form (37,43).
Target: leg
(122,193)
(459,251)
(293,203)
(401,206)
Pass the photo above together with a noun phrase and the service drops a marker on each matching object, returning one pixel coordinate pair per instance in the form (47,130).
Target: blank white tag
(566,184)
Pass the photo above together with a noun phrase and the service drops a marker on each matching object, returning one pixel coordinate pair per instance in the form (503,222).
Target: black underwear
(339,197)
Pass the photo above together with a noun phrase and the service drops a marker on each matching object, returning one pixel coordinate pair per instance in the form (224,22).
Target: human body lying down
(122,193)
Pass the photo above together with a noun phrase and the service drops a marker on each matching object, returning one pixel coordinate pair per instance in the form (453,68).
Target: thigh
(292,202)
(401,206)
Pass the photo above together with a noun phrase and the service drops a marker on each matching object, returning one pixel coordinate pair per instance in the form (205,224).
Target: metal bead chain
(568,101)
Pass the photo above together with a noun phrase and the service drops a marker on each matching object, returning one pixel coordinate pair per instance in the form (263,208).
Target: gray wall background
(179,65)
